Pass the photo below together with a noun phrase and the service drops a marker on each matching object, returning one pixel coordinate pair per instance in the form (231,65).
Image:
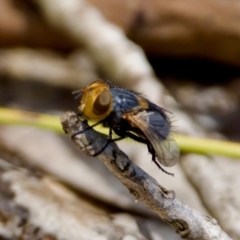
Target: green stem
(187,144)
(26,118)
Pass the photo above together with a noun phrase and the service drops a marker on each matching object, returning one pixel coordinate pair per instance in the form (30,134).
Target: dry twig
(117,56)
(47,67)
(188,223)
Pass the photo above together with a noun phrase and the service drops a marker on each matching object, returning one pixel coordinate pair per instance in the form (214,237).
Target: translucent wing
(155,127)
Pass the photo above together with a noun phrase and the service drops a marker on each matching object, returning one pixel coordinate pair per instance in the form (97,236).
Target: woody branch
(188,223)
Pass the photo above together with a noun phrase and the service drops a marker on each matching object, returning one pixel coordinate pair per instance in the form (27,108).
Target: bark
(34,206)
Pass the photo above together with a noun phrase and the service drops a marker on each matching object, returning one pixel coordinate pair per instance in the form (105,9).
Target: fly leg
(121,136)
(153,153)
(82,131)
(110,139)
(150,149)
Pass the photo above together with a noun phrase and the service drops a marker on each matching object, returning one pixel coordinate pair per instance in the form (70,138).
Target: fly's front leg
(110,139)
(82,131)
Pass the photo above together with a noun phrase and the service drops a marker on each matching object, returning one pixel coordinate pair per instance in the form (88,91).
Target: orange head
(96,101)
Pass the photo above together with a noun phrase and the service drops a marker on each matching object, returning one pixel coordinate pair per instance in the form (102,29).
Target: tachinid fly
(129,114)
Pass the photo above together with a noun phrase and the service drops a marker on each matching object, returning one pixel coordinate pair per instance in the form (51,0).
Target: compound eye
(102,103)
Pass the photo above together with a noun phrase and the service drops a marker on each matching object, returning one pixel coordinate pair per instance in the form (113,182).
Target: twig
(218,195)
(188,223)
(120,58)
(47,67)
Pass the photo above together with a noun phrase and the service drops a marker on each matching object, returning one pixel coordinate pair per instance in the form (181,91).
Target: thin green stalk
(27,118)
(187,144)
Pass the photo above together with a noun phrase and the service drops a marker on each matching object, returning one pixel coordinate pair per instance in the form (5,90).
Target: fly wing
(156,128)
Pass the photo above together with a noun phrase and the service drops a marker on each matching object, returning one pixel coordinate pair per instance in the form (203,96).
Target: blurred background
(182,54)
